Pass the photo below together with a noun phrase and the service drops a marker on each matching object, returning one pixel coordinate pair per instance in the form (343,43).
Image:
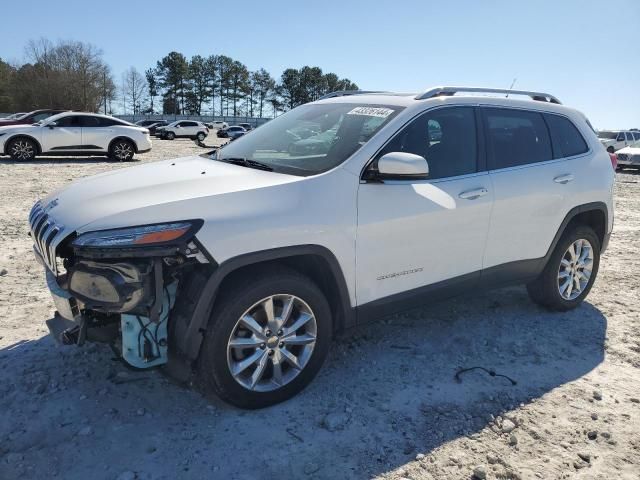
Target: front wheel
(570,272)
(122,150)
(267,339)
(22,149)
(170,136)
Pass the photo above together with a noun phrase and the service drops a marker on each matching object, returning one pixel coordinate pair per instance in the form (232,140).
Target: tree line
(71,74)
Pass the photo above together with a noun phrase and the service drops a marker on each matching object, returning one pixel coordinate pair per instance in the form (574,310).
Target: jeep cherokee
(236,267)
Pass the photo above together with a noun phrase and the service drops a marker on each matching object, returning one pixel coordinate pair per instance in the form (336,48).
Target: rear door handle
(473,194)
(563,179)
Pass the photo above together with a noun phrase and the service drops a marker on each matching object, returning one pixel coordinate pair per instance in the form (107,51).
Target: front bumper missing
(142,340)
(66,305)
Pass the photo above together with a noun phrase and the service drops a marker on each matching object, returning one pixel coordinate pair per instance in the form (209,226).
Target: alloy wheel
(271,343)
(22,150)
(123,151)
(575,269)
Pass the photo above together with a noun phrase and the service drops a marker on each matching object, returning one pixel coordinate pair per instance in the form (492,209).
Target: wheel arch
(123,137)
(314,261)
(594,215)
(21,135)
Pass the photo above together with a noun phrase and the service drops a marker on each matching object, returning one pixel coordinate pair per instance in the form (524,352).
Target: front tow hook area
(65,331)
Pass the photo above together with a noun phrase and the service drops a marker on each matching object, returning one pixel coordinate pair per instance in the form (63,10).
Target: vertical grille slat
(45,231)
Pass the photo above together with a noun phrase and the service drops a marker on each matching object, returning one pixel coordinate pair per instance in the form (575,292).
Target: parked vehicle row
(183,129)
(75,133)
(243,263)
(29,118)
(614,140)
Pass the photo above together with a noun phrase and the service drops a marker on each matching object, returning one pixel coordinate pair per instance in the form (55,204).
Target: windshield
(608,135)
(309,139)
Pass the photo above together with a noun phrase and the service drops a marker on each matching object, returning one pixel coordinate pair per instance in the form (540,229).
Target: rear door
(65,135)
(97,132)
(533,180)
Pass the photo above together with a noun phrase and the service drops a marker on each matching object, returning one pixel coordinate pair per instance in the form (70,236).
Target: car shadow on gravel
(386,395)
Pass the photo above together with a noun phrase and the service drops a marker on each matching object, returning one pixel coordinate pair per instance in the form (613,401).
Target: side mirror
(52,125)
(402,166)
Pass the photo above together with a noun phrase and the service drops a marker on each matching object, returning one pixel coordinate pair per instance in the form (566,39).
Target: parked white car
(73,133)
(183,129)
(218,125)
(614,140)
(244,262)
(629,156)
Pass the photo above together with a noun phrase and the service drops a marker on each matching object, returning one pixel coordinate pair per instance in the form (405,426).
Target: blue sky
(584,52)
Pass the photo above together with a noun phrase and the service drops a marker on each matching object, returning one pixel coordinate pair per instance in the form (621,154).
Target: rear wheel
(267,339)
(570,272)
(122,150)
(22,149)
(201,136)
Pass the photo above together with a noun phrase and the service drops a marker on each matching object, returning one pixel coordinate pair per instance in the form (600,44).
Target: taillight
(614,160)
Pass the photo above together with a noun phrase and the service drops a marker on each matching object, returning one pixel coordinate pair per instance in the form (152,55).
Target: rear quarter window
(566,140)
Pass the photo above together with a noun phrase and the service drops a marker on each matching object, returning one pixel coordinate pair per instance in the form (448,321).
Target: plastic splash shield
(145,343)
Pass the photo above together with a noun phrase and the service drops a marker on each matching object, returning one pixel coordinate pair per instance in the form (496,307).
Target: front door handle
(473,194)
(563,179)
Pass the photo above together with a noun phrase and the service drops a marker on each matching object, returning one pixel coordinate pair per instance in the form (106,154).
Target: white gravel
(385,405)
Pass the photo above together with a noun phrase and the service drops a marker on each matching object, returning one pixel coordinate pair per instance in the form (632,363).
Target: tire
(249,295)
(201,136)
(22,149)
(610,150)
(122,150)
(546,289)
(169,136)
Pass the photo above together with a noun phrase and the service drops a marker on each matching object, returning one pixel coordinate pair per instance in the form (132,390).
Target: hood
(607,141)
(155,192)
(629,151)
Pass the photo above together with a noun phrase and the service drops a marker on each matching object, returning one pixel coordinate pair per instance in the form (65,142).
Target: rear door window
(629,137)
(565,137)
(515,137)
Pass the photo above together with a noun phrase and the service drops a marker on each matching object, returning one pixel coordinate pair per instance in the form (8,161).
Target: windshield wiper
(247,163)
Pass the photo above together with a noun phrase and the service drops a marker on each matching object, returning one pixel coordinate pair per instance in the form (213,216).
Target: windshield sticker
(371,112)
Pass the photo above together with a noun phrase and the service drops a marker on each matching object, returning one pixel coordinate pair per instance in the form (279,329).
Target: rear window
(516,137)
(565,137)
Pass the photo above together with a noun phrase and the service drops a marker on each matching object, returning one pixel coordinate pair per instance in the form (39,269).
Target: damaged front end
(122,286)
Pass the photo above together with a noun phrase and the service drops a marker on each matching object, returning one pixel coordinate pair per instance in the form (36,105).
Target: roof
(453,95)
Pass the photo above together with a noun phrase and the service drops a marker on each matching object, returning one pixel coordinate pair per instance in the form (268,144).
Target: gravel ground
(386,404)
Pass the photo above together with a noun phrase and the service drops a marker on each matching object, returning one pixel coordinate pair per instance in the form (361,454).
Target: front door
(428,233)
(65,135)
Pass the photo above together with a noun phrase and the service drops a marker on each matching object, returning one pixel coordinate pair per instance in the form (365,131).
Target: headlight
(147,235)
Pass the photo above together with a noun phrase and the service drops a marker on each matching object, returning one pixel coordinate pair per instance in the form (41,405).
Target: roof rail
(450,91)
(344,93)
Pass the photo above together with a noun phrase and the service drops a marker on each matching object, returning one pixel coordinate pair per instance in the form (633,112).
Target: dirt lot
(385,405)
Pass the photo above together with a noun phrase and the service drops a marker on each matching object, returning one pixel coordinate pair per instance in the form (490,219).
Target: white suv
(241,264)
(73,133)
(183,129)
(615,140)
